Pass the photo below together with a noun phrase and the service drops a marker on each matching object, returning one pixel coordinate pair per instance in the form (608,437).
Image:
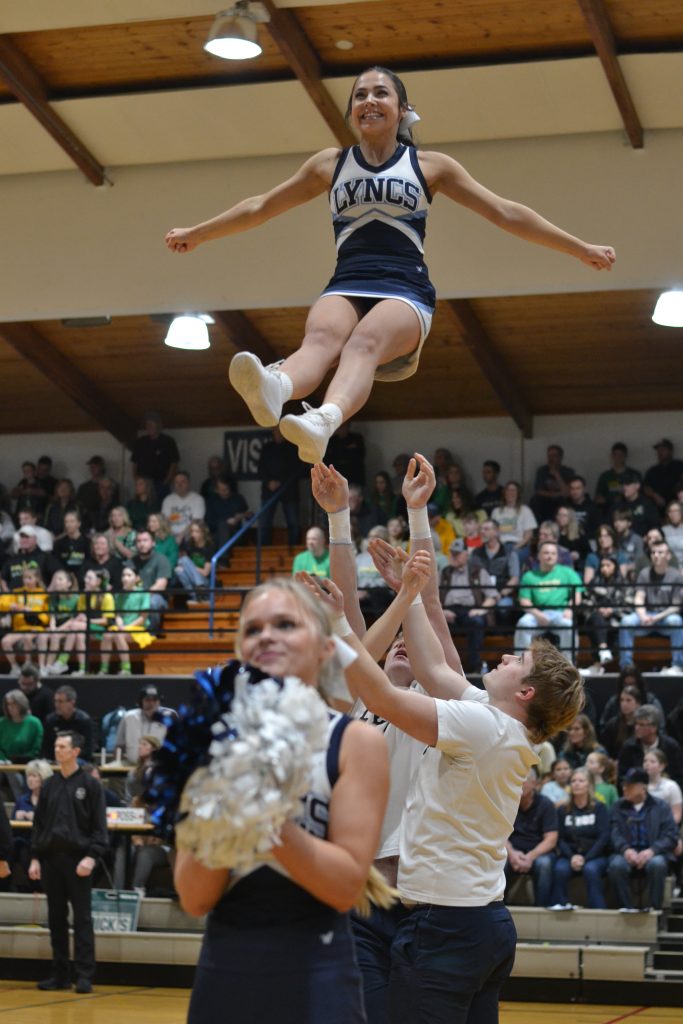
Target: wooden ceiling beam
(48,360)
(28,87)
(477,341)
(244,336)
(602,34)
(296,48)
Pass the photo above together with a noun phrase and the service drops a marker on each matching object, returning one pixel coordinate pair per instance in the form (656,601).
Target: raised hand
(325,590)
(600,257)
(416,572)
(330,488)
(419,482)
(388,561)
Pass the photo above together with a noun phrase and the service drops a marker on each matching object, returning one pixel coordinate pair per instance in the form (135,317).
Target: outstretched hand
(327,592)
(419,482)
(330,488)
(600,257)
(181,240)
(388,561)
(416,572)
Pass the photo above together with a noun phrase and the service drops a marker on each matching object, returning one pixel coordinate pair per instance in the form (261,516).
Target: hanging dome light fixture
(189,332)
(234,33)
(669,309)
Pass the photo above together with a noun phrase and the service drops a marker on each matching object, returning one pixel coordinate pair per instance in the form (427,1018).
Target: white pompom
(262,756)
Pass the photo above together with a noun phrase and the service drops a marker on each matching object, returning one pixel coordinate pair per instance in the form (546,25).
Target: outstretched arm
(331,491)
(311,180)
(411,712)
(448,176)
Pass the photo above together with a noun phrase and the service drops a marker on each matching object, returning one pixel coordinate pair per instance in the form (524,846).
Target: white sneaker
(261,387)
(605,655)
(628,910)
(79,672)
(562,906)
(59,668)
(310,432)
(672,670)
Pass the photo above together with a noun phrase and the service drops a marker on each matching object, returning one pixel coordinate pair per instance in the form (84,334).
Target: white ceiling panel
(40,15)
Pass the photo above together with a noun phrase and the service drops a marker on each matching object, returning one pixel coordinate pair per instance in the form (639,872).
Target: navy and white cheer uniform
(272,951)
(379,215)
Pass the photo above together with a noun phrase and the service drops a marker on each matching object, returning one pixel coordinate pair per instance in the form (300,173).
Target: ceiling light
(188,332)
(234,35)
(669,309)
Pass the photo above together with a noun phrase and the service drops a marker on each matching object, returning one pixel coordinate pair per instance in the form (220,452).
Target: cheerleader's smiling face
(278,637)
(374,106)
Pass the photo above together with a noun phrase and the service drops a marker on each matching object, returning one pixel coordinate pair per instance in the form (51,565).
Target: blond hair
(313,610)
(559,693)
(591,787)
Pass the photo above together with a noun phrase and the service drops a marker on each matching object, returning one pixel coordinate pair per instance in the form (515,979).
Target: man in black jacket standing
(69,835)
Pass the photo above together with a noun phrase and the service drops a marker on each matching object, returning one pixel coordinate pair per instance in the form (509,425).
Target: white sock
(286,385)
(333,412)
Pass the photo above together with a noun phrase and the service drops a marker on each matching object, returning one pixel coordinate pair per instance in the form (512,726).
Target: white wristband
(341,626)
(418,520)
(340,526)
(416,600)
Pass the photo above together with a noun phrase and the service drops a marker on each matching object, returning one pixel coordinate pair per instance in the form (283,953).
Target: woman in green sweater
(21,734)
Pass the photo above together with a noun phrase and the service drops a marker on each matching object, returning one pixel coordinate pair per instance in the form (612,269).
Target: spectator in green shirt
(548,595)
(316,558)
(21,733)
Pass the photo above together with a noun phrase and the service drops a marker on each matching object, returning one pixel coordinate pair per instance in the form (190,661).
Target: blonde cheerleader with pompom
(279,825)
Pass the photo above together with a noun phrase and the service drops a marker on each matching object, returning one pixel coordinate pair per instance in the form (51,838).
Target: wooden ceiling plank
(28,87)
(476,339)
(297,50)
(42,355)
(244,336)
(602,34)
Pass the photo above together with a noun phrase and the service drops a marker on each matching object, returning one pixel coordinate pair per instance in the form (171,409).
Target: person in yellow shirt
(440,527)
(28,606)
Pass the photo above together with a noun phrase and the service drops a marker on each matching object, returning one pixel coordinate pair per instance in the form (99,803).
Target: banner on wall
(242,450)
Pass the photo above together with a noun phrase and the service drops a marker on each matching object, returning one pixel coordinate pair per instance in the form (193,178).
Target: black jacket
(70,816)
(662,833)
(80,722)
(632,754)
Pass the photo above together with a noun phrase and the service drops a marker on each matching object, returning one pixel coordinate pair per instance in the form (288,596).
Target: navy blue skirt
(286,973)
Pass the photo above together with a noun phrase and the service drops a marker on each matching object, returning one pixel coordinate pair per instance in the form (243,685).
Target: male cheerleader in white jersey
(374,935)
(455,949)
(372,319)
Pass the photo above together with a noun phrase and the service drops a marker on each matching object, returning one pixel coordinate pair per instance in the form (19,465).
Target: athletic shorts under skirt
(376,277)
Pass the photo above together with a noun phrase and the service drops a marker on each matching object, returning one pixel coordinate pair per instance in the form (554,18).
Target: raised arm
(448,176)
(331,491)
(312,179)
(411,712)
(418,486)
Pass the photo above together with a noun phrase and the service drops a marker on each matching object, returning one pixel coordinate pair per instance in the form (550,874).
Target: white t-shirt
(512,522)
(462,805)
(667,790)
(181,511)
(405,754)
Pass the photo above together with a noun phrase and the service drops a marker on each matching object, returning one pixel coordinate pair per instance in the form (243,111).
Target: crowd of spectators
(605,804)
(556,563)
(78,565)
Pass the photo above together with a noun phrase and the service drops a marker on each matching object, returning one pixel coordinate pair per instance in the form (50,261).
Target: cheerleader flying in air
(374,315)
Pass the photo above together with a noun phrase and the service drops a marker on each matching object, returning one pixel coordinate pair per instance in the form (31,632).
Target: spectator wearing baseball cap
(141,721)
(644,837)
(663,480)
(644,512)
(467,591)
